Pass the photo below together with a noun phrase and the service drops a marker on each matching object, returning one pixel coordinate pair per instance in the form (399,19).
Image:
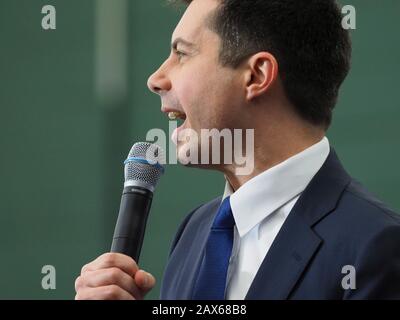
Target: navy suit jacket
(336,222)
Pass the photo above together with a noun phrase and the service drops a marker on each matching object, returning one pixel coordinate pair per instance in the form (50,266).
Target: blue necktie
(211,281)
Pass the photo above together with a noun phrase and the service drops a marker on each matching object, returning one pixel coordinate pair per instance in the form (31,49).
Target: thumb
(145,281)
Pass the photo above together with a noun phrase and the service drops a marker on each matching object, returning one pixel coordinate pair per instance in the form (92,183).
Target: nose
(159,81)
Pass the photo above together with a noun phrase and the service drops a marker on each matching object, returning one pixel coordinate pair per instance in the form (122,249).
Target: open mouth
(177,115)
(180,117)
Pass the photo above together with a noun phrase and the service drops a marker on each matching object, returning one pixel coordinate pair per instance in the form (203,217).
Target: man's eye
(180,54)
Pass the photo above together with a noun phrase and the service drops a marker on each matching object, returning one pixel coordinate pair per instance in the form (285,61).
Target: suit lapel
(296,242)
(287,258)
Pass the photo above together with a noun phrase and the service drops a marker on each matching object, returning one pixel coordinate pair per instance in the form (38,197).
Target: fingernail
(147,279)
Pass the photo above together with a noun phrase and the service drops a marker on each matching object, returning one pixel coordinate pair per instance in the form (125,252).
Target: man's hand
(113,276)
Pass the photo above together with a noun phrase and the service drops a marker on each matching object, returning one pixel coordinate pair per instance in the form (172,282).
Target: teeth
(175,115)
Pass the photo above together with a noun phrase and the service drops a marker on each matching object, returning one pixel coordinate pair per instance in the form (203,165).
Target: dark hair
(307,39)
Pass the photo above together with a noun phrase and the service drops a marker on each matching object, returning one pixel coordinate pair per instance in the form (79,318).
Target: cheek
(207,97)
(186,91)
(194,96)
(222,102)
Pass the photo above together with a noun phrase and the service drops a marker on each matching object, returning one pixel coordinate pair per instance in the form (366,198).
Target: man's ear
(261,72)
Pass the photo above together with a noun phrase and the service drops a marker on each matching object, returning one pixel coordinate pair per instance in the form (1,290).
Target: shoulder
(360,225)
(375,233)
(363,207)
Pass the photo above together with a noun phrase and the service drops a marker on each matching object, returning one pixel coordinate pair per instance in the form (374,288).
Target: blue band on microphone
(144,161)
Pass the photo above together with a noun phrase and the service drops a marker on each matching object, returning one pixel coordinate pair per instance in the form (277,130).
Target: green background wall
(74,100)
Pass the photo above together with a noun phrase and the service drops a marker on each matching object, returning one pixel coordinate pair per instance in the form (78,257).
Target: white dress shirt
(260,207)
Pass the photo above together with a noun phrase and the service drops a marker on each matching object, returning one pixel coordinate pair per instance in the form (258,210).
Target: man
(298,226)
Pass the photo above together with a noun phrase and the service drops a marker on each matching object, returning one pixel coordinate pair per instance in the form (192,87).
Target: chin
(183,154)
(182,148)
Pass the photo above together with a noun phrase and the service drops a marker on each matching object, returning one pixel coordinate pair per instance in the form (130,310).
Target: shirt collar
(270,190)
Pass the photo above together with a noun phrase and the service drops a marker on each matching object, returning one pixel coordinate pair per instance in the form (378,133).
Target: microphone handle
(131,224)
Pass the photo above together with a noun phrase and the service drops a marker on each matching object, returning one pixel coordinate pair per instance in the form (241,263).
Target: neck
(272,149)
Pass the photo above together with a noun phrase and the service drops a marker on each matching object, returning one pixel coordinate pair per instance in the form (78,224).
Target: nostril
(156,89)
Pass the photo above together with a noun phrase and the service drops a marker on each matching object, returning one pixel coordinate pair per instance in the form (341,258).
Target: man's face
(193,81)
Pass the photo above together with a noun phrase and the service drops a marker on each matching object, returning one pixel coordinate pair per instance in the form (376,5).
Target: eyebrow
(177,41)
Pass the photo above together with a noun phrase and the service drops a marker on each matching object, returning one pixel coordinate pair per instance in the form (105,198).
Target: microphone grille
(144,165)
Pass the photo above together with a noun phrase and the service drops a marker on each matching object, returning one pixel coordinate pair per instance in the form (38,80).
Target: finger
(145,281)
(107,277)
(110,260)
(103,293)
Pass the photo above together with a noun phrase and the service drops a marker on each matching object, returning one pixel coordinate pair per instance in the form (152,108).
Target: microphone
(143,168)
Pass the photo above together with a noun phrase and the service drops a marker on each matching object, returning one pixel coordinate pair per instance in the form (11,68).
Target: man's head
(248,55)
